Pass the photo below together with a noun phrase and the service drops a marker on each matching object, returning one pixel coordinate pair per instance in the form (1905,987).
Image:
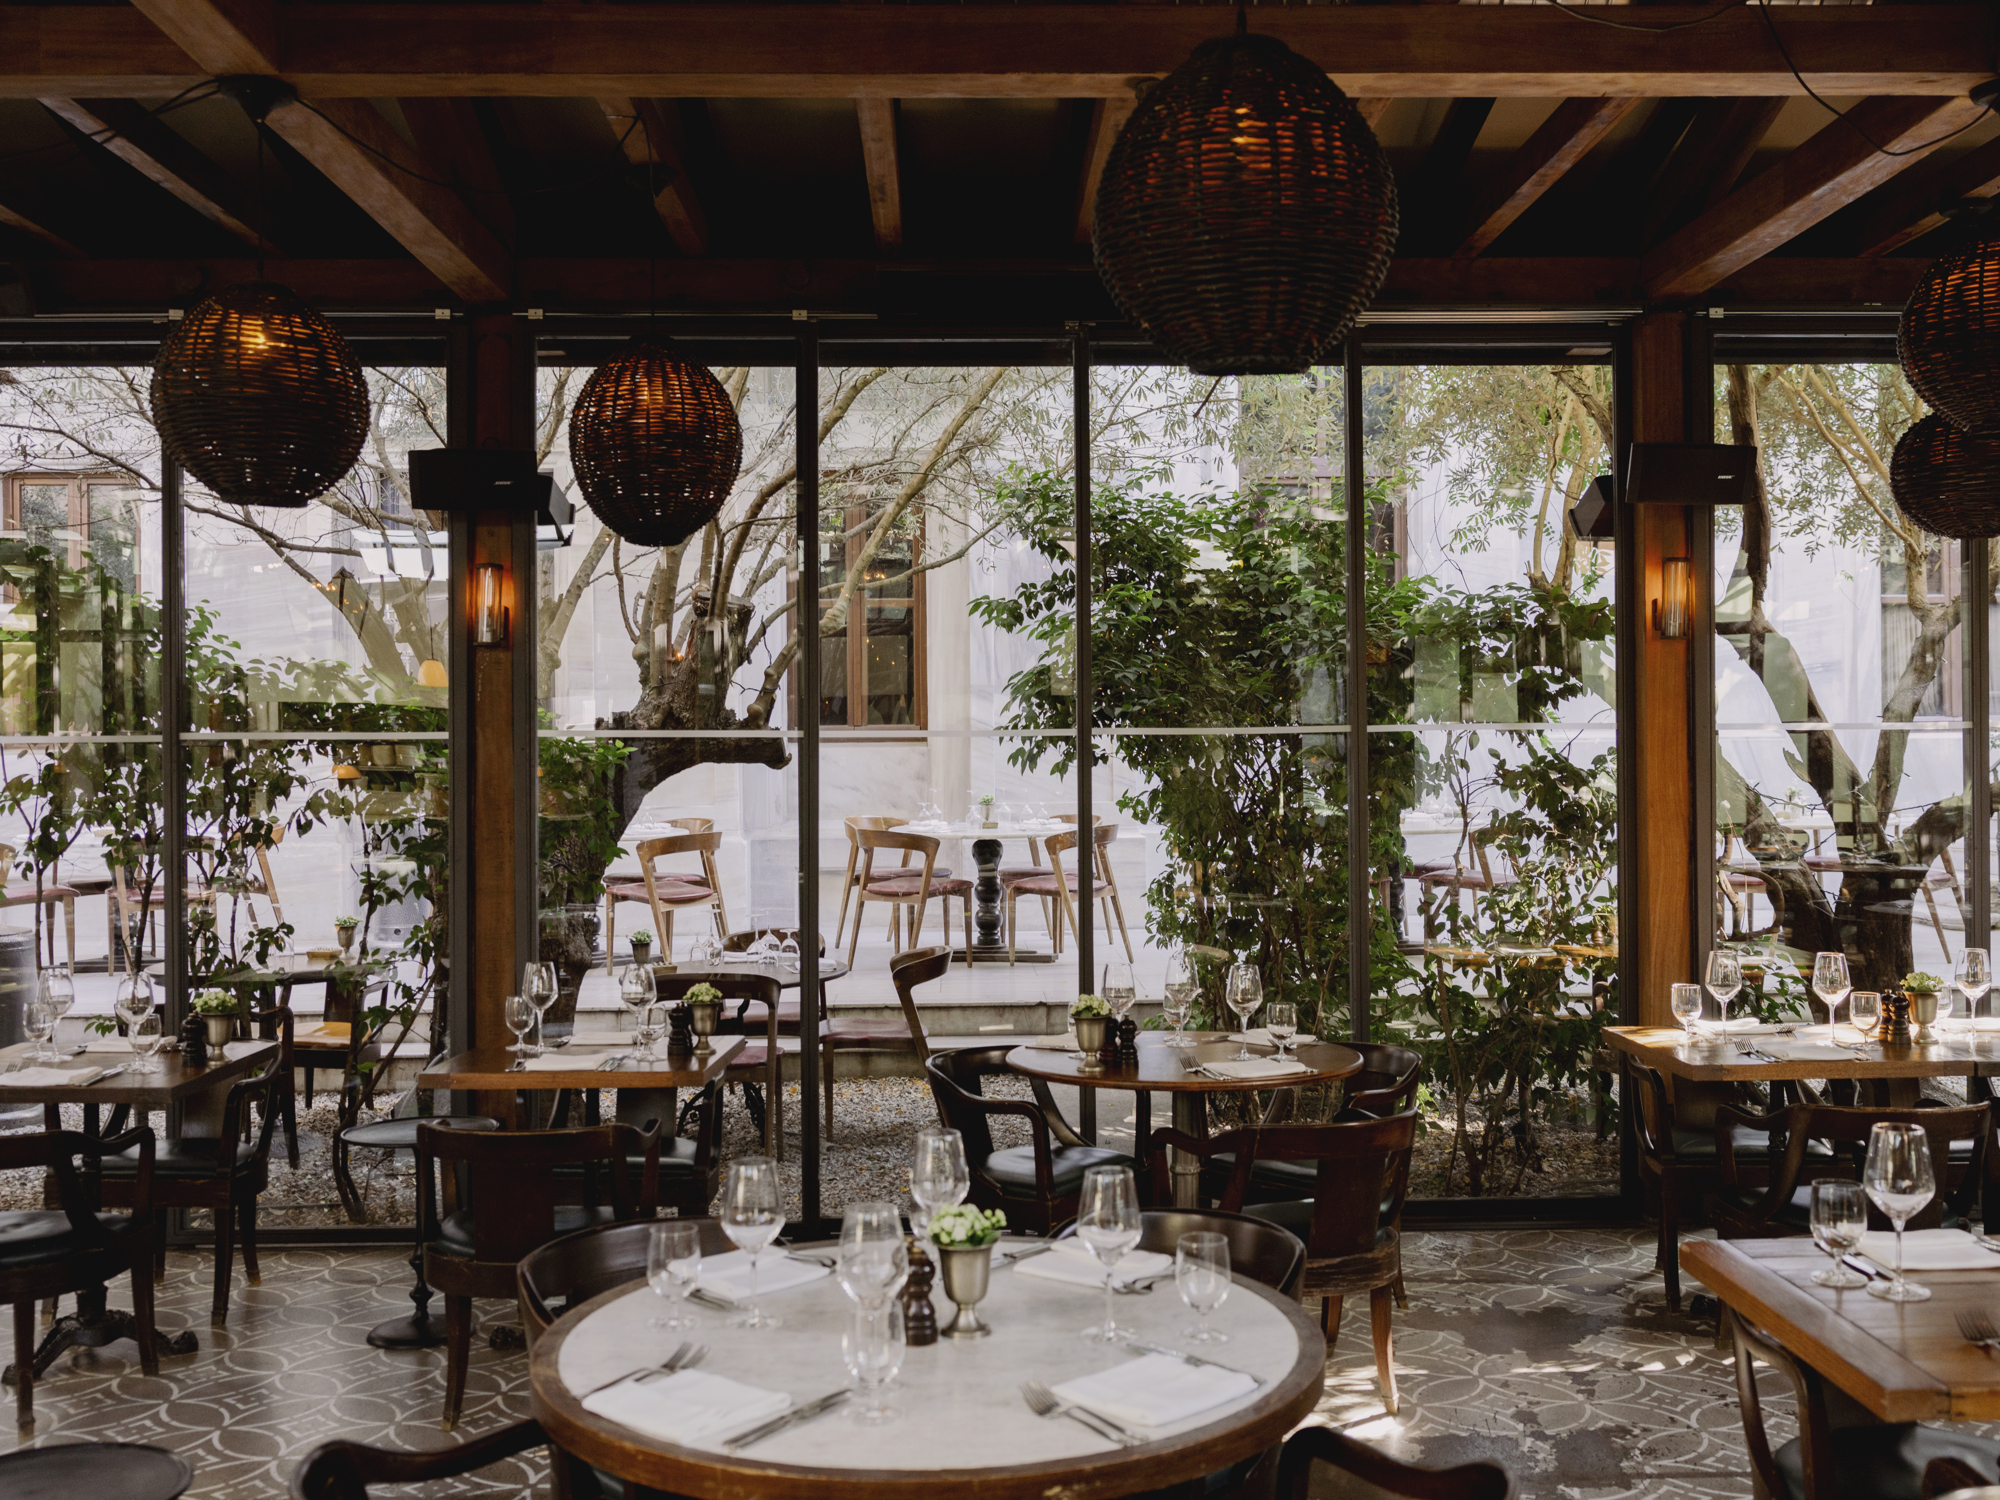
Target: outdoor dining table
(92,1325)
(1169,1068)
(961,1418)
(647,1087)
(989,937)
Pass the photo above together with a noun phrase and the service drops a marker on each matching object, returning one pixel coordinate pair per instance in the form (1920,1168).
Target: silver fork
(1043,1403)
(1977,1328)
(1139,1285)
(666,1366)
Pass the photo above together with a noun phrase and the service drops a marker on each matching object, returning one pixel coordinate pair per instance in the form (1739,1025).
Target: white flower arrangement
(966,1227)
(703,994)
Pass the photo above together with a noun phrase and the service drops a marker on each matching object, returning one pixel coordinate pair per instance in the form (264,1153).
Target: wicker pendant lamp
(1947,480)
(655,443)
(1949,337)
(259,397)
(1246,214)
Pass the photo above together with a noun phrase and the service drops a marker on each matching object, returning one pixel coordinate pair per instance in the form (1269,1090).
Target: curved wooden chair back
(55,1152)
(1846,1130)
(1815,1423)
(1323,1445)
(1387,1082)
(507,1180)
(693,825)
(745,990)
(568,1272)
(909,969)
(1265,1252)
(868,840)
(340,1470)
(649,850)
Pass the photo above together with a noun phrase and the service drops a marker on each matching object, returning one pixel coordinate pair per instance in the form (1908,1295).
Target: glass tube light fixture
(1670,613)
(489,606)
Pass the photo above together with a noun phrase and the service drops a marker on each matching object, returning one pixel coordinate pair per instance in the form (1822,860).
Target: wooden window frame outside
(857,652)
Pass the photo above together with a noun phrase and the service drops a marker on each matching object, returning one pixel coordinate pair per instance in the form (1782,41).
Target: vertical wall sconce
(1670,613)
(489,607)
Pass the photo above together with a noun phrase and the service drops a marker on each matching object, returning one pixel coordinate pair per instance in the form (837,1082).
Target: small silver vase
(703,1016)
(1923,1014)
(965,1273)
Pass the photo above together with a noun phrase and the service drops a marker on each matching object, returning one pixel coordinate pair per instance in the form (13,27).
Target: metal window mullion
(805,421)
(173,720)
(1979,746)
(1360,918)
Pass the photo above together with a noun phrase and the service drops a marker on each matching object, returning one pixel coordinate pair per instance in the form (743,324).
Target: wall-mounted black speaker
(1704,474)
(1590,518)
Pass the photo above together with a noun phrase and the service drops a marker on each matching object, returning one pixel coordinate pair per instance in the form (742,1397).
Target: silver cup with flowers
(964,1236)
(1089,1015)
(704,1003)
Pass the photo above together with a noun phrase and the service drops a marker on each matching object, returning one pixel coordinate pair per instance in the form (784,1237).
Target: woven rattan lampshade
(259,397)
(655,443)
(1948,480)
(1949,337)
(1246,214)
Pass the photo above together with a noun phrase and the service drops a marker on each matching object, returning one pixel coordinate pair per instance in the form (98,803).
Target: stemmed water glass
(1973,975)
(636,990)
(40,1019)
(752,1219)
(1831,983)
(1107,1221)
(1839,1215)
(1244,992)
(60,992)
(788,951)
(1201,1272)
(1281,1019)
(1685,1000)
(1120,990)
(148,1034)
(134,999)
(1725,978)
(1898,1177)
(652,1025)
(1178,1006)
(871,1346)
(874,1258)
(939,1176)
(1864,1009)
(673,1269)
(538,985)
(519,1013)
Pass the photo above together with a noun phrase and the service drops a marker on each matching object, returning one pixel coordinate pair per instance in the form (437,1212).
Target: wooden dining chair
(904,1036)
(1104,880)
(1036,1185)
(1352,1223)
(752,1007)
(667,894)
(343,1470)
(913,891)
(1480,1480)
(1263,1251)
(502,1199)
(1841,1451)
(566,1273)
(73,1247)
(1055,887)
(852,879)
(619,892)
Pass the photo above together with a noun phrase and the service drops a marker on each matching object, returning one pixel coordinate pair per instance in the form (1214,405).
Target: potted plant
(642,947)
(986,812)
(218,1010)
(704,1003)
(1923,990)
(1089,1015)
(964,1236)
(344,929)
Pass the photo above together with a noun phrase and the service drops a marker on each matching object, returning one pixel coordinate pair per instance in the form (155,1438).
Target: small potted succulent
(1089,1015)
(965,1235)
(1924,991)
(704,1003)
(218,1010)
(642,947)
(344,929)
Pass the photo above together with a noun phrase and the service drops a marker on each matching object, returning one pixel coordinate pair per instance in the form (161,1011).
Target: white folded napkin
(1810,1052)
(1070,1261)
(1748,1028)
(728,1275)
(1258,1067)
(1929,1250)
(1066,1043)
(690,1407)
(234,1050)
(1258,1036)
(555,1062)
(50,1078)
(120,1045)
(1155,1390)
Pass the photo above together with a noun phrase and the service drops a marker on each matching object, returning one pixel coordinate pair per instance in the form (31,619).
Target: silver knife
(1189,1359)
(1856,1263)
(791,1418)
(107,1077)
(1032,1250)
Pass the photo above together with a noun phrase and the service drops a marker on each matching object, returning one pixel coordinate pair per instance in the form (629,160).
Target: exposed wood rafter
(130,132)
(1107,118)
(14,219)
(654,140)
(1921,202)
(1562,141)
(451,139)
(878,153)
(1372,110)
(1705,165)
(1833,168)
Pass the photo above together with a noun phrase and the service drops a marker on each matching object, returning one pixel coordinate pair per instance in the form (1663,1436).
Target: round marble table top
(960,1412)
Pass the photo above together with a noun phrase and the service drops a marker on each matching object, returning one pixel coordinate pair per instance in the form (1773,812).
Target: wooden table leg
(1190,1118)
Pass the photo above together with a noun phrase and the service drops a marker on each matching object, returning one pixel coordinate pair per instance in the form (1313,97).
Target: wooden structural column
(492,694)
(1666,744)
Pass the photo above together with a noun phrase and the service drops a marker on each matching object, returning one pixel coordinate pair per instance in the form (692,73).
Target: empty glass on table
(752,1218)
(636,991)
(40,1019)
(519,1013)
(872,1348)
(59,990)
(1244,992)
(1899,1180)
(1178,1007)
(1972,976)
(1107,1221)
(1831,983)
(1725,978)
(148,1036)
(1281,1020)
(1685,1001)
(1201,1273)
(1120,989)
(538,985)
(874,1258)
(939,1175)
(133,1000)
(1839,1216)
(673,1269)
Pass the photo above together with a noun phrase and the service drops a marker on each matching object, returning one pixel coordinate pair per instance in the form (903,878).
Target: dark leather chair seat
(401,1134)
(186,1158)
(1795,1215)
(45,1238)
(454,1236)
(1887,1462)
(1297,1216)
(1747,1144)
(1014,1168)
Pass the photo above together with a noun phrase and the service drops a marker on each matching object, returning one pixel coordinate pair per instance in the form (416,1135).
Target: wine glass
(538,985)
(653,1024)
(1107,1221)
(752,1219)
(636,990)
(1973,974)
(1281,1019)
(134,999)
(1864,1009)
(1120,990)
(519,1013)
(1201,1272)
(1898,1177)
(788,951)
(1725,978)
(40,1019)
(1179,1004)
(148,1035)
(939,1176)
(1839,1215)
(60,991)
(673,1268)
(1685,999)
(874,1258)
(1244,992)
(1831,984)
(871,1347)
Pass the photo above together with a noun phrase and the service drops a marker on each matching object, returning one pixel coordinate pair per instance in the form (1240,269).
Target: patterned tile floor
(1551,1351)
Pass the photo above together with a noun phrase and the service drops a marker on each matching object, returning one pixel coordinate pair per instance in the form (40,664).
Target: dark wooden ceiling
(936,163)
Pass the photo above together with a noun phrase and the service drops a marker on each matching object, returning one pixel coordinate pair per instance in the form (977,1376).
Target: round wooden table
(1166,1067)
(961,1418)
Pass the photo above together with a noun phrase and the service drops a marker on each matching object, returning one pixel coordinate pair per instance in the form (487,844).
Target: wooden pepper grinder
(194,1043)
(1128,1042)
(920,1324)
(680,1031)
(1895,1027)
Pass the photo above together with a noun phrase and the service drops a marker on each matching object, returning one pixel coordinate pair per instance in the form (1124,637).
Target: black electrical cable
(1659,30)
(186,96)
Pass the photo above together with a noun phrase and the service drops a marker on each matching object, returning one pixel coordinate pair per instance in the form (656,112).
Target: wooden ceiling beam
(451,139)
(13,218)
(1834,167)
(1705,166)
(565,49)
(1107,118)
(1915,205)
(131,132)
(1372,110)
(653,139)
(878,153)
(1562,141)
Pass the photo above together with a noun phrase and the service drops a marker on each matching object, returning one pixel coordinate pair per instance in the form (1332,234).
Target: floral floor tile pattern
(1549,1350)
